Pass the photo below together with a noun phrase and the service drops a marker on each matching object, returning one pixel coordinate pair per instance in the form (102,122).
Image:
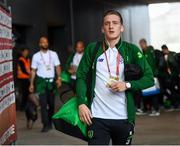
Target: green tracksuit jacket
(151,59)
(130,54)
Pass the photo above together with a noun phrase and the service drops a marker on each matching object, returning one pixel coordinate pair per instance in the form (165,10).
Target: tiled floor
(164,129)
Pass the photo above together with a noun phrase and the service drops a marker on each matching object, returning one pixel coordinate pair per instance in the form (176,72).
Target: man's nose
(110,25)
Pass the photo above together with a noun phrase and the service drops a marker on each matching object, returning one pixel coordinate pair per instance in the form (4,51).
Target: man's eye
(115,22)
(106,23)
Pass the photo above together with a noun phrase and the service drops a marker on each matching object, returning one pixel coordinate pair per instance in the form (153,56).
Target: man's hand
(72,70)
(33,74)
(58,73)
(118,86)
(85,114)
(31,88)
(58,83)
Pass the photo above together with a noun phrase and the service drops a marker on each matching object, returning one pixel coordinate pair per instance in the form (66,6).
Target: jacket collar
(118,45)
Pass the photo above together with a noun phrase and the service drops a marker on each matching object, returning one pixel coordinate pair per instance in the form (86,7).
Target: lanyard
(117,63)
(44,60)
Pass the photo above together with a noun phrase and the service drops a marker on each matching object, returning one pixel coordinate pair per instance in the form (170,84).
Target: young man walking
(109,110)
(44,64)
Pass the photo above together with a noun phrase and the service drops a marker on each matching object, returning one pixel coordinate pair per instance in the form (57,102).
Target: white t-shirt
(45,63)
(76,60)
(108,104)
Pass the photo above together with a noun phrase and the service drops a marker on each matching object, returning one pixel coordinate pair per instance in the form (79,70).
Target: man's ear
(122,28)
(102,29)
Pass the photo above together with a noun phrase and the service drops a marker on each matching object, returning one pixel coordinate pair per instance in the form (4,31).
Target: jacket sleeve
(81,75)
(147,79)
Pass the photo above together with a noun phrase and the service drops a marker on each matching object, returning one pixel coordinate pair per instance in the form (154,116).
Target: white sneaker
(154,113)
(140,112)
(170,110)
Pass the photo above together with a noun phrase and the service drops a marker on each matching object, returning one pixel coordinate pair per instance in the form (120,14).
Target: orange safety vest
(20,74)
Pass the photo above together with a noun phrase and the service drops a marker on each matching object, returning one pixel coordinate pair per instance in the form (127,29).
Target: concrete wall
(136,21)
(41,16)
(29,14)
(36,17)
(88,20)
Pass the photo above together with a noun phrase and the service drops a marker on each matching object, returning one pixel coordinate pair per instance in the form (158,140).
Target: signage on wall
(7,92)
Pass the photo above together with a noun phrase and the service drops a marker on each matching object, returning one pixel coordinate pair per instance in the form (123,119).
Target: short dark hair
(113,12)
(80,41)
(164,47)
(22,49)
(143,41)
(44,37)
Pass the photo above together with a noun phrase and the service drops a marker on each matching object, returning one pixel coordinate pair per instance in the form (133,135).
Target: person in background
(158,56)
(44,65)
(169,72)
(149,54)
(73,62)
(23,75)
(177,58)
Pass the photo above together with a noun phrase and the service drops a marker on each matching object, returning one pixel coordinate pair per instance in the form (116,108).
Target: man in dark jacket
(149,54)
(169,72)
